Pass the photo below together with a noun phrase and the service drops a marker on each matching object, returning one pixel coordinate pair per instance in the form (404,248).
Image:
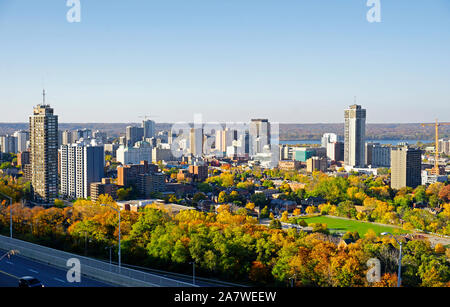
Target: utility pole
(119,254)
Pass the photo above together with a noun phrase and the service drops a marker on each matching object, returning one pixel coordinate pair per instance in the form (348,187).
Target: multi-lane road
(11,269)
(17,266)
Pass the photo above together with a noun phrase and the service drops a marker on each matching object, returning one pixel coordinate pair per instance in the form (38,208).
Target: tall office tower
(259,136)
(8,144)
(196,141)
(22,138)
(100,137)
(355,134)
(66,137)
(81,164)
(406,166)
(329,138)
(225,138)
(133,135)
(44,153)
(149,129)
(244,140)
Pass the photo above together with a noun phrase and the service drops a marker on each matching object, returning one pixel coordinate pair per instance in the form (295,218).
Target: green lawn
(342,226)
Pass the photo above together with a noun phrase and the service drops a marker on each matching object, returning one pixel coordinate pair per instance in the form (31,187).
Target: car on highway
(29,282)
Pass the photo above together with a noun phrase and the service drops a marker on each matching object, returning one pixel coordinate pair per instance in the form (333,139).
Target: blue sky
(292,61)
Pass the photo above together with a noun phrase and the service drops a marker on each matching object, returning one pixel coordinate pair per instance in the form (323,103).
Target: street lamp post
(291,279)
(399,279)
(10,214)
(119,254)
(193,272)
(110,256)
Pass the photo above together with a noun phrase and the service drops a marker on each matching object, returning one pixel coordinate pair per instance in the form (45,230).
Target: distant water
(383,142)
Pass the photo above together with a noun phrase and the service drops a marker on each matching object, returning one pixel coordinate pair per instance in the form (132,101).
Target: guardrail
(90,267)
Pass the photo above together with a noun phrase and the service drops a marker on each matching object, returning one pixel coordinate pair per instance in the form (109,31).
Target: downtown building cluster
(71,164)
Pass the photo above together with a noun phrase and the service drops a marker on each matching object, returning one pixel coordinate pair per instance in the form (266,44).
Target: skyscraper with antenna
(44,152)
(355,136)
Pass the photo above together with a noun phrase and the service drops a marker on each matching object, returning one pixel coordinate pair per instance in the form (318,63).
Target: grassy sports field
(342,225)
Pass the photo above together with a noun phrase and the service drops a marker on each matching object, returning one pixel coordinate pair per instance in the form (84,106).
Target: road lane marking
(10,275)
(31,270)
(57,279)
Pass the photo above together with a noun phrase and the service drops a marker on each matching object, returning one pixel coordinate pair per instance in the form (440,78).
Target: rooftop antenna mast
(43,96)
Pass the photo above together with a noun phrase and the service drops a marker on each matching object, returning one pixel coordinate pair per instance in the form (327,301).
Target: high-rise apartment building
(259,135)
(335,151)
(406,167)
(378,155)
(150,183)
(22,138)
(66,137)
(355,134)
(44,153)
(444,146)
(8,144)
(81,164)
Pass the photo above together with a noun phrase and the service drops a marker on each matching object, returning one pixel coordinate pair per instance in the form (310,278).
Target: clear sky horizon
(291,61)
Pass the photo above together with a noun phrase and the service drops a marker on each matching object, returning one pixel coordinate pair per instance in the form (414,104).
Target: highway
(199,281)
(15,267)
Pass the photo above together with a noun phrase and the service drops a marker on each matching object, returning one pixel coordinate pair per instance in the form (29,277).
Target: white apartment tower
(81,164)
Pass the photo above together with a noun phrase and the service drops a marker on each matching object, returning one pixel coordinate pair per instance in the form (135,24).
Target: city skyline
(297,63)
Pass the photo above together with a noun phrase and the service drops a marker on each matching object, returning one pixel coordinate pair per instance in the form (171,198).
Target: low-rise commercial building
(127,175)
(289,165)
(316,164)
(105,187)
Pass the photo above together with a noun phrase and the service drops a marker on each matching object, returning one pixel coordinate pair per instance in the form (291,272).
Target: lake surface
(382,142)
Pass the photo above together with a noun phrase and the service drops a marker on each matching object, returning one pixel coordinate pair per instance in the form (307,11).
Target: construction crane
(435,170)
